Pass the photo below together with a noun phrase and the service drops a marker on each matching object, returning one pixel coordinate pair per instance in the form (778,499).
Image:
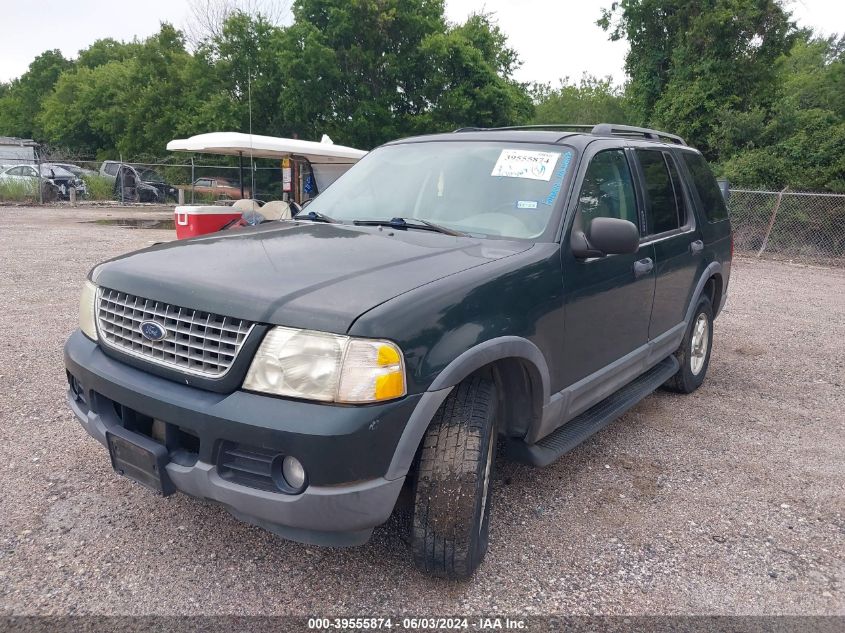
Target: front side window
(485,188)
(664,211)
(607,190)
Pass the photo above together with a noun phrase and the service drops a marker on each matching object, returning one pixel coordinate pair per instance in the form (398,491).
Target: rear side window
(608,189)
(111,169)
(665,212)
(709,194)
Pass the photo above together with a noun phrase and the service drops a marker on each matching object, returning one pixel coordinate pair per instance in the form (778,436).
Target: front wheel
(694,353)
(453,483)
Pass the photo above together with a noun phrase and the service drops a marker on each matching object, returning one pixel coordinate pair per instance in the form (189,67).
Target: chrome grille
(197,342)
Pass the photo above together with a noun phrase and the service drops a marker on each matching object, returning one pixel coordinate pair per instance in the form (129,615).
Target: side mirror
(606,236)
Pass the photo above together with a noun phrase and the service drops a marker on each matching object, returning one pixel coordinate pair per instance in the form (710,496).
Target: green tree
(20,104)
(798,141)
(239,61)
(366,71)
(363,71)
(690,60)
(374,46)
(470,79)
(87,110)
(159,85)
(592,100)
(115,103)
(106,50)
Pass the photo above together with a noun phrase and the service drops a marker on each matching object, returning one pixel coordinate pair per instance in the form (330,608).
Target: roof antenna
(251,160)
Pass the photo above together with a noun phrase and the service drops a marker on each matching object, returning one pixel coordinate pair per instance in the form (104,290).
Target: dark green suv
(520,284)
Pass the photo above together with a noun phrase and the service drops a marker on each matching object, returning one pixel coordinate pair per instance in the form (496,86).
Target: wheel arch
(712,275)
(714,288)
(522,379)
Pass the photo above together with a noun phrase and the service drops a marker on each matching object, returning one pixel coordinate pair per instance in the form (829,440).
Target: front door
(607,299)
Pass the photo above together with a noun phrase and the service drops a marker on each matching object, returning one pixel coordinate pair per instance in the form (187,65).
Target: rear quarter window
(705,185)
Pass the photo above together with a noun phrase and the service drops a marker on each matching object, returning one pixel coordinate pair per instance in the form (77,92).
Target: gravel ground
(726,501)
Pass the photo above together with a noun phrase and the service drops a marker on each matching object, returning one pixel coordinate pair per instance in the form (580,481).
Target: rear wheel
(453,484)
(694,353)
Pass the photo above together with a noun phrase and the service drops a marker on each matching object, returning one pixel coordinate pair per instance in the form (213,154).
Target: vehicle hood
(300,274)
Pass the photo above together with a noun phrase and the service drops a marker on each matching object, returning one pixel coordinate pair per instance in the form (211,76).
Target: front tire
(453,483)
(694,353)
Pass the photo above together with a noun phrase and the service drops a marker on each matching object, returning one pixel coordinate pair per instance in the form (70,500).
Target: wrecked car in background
(56,182)
(137,183)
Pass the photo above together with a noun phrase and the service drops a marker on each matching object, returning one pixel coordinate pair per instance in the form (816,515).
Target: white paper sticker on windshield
(520,163)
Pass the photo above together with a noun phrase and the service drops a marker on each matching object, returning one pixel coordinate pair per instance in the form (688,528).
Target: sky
(554,38)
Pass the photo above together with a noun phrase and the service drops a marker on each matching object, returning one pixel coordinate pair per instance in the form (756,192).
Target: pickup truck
(217,189)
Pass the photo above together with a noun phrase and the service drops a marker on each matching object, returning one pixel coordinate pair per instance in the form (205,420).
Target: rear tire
(694,353)
(453,483)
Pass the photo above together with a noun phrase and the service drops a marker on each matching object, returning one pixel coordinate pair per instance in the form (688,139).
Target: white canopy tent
(328,161)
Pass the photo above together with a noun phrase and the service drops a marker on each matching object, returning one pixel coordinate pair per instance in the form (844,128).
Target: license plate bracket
(141,459)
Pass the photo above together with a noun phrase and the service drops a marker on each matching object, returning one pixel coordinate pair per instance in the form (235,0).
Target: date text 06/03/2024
(416,624)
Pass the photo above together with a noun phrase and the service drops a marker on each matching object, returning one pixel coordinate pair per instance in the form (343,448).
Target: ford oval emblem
(153,331)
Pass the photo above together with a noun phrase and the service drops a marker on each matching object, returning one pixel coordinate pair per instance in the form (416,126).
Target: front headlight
(326,367)
(87,310)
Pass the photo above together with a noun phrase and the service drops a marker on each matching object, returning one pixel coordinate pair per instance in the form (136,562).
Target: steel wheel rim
(699,344)
(486,483)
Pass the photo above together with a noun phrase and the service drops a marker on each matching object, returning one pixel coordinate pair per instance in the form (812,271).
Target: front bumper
(346,451)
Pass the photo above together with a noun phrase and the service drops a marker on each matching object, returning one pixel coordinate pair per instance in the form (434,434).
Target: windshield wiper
(316,216)
(415,223)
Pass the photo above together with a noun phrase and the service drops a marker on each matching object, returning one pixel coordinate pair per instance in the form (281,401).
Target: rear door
(670,229)
(608,299)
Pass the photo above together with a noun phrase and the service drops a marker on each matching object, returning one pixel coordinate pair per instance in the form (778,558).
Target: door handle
(696,247)
(643,267)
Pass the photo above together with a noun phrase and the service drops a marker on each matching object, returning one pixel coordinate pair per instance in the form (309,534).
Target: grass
(99,188)
(17,191)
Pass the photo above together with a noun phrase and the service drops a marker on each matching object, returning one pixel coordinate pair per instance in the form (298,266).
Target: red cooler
(200,220)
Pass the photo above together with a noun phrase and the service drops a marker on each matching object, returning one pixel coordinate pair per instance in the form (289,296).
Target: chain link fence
(791,224)
(40,175)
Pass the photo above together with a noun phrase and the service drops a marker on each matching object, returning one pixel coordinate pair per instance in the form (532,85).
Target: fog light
(293,473)
(75,388)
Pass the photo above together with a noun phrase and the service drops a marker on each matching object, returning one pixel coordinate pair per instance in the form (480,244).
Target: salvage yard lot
(729,500)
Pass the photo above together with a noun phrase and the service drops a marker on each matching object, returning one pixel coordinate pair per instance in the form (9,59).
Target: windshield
(58,172)
(148,175)
(480,188)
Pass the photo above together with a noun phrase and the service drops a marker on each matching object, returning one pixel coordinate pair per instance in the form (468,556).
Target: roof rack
(538,126)
(611,129)
(603,129)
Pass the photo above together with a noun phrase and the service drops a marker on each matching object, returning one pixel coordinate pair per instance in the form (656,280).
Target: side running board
(594,419)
